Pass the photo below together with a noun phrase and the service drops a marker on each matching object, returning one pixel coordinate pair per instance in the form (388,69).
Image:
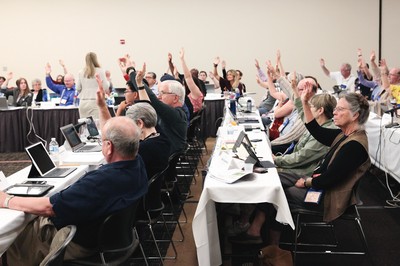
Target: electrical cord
(29,117)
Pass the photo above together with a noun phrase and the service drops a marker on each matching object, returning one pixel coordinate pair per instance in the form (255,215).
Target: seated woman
(345,163)
(39,94)
(22,94)
(308,151)
(230,81)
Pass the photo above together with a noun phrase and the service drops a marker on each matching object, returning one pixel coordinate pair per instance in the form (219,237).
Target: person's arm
(101,102)
(384,75)
(216,62)
(260,73)
(8,78)
(282,72)
(170,64)
(38,206)
(362,65)
(322,63)
(56,88)
(223,66)
(374,67)
(215,81)
(283,109)
(63,66)
(350,157)
(194,90)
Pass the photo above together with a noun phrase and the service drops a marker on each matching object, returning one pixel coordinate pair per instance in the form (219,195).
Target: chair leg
(141,247)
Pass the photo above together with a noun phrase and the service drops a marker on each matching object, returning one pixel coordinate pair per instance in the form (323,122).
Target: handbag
(274,256)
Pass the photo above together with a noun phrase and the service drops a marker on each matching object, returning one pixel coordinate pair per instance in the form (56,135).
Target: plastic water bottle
(76,99)
(54,151)
(232,106)
(248,107)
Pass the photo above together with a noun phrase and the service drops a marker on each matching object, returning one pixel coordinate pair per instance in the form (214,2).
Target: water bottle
(76,99)
(54,151)
(237,93)
(232,106)
(248,107)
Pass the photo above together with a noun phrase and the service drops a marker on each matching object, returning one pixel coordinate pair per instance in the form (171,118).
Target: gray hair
(144,112)
(357,103)
(176,88)
(36,81)
(124,134)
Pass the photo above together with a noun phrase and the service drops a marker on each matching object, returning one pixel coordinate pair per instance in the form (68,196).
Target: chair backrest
(58,246)
(115,234)
(152,200)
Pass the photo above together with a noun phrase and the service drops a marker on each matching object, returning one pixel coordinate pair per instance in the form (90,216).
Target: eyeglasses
(161,93)
(125,92)
(340,109)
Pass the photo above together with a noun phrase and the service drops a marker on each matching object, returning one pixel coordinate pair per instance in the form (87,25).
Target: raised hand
(169,57)
(278,56)
(140,75)
(223,63)
(307,92)
(182,54)
(257,64)
(101,98)
(10,75)
(47,68)
(217,60)
(359,52)
(372,56)
(61,62)
(322,62)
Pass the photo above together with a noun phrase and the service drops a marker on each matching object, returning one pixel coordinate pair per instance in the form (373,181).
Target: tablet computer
(28,190)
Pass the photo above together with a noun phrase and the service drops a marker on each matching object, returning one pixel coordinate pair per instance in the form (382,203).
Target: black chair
(116,239)
(153,208)
(58,246)
(302,219)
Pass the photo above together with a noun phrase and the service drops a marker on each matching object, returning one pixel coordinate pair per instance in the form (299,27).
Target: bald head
(69,80)
(124,135)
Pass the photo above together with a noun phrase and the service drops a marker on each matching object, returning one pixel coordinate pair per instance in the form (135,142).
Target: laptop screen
(71,136)
(40,158)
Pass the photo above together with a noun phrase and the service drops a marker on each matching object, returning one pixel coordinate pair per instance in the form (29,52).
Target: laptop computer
(75,142)
(3,103)
(254,159)
(42,165)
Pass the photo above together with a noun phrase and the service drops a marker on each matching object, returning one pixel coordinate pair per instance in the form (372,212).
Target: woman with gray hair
(154,145)
(39,94)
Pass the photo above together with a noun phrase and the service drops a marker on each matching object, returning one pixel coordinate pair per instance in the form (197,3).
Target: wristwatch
(7,200)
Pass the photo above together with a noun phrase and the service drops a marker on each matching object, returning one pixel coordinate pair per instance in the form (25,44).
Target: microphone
(392,110)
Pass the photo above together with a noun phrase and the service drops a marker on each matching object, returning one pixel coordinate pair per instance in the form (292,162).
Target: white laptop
(42,165)
(74,141)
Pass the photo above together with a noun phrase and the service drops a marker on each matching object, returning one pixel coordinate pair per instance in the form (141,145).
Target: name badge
(63,101)
(313,196)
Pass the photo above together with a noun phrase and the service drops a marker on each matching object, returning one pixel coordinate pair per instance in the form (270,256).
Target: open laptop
(3,103)
(42,165)
(253,158)
(75,142)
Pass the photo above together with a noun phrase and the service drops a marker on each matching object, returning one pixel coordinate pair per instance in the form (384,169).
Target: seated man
(86,203)
(66,90)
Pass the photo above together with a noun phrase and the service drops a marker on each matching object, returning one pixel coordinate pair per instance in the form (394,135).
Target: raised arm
(362,65)
(322,63)
(194,90)
(101,102)
(215,81)
(305,98)
(63,66)
(374,67)
(216,62)
(384,74)
(141,87)
(279,64)
(8,78)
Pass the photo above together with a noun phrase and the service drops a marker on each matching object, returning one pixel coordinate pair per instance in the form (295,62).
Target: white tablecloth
(12,222)
(264,188)
(384,144)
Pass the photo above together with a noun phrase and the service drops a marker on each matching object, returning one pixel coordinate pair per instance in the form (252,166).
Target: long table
(16,130)
(384,144)
(263,188)
(12,222)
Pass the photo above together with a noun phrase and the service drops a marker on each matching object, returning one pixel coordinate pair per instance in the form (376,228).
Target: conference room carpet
(381,224)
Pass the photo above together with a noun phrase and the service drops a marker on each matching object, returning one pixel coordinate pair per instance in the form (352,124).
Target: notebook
(72,137)
(42,165)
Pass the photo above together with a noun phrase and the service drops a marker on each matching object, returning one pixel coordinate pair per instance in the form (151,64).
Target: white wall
(40,31)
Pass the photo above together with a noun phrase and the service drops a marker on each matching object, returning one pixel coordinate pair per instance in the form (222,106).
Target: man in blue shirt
(66,91)
(86,203)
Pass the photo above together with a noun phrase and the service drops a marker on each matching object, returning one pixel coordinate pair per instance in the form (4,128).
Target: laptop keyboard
(89,148)
(57,172)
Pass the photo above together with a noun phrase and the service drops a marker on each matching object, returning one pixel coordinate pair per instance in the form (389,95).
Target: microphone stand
(392,124)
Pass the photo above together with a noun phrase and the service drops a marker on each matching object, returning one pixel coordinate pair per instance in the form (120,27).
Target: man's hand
(322,62)
(372,56)
(140,75)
